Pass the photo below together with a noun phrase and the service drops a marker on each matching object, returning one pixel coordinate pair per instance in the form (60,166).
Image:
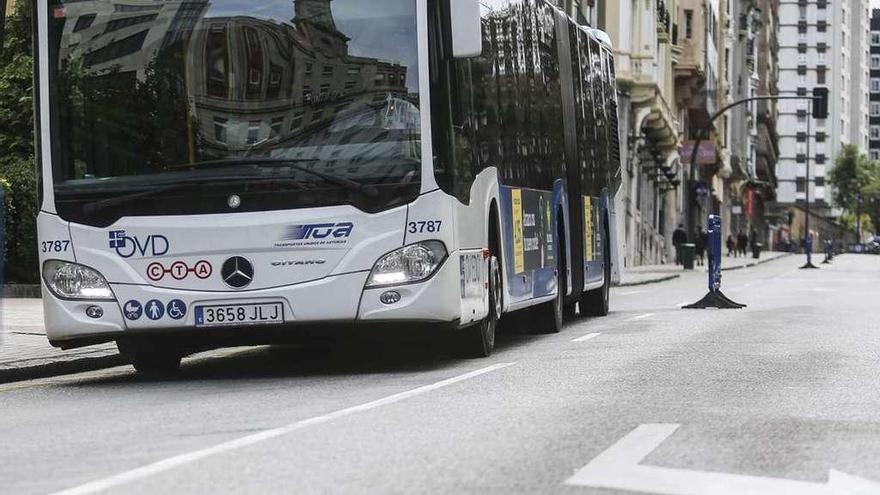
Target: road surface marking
(641,317)
(632,292)
(190,457)
(618,468)
(586,337)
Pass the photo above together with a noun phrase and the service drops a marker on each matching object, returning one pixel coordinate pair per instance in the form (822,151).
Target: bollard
(808,245)
(715,298)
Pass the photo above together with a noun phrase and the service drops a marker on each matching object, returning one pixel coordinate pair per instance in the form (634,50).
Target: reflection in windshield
(141,85)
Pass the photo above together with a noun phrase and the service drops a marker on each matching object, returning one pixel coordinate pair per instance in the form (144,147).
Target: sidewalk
(25,352)
(650,274)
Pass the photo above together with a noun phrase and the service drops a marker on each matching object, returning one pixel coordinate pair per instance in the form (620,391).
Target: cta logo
(127,246)
(179,270)
(316,234)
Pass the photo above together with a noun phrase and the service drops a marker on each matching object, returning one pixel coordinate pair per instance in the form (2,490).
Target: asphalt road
(783,391)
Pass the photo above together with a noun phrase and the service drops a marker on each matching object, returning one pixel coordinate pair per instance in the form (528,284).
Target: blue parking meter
(715,298)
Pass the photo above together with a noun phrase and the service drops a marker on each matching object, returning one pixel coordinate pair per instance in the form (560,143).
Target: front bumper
(338,300)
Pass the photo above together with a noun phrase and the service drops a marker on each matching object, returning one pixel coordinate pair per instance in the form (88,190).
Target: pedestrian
(701,241)
(753,242)
(731,246)
(679,237)
(742,242)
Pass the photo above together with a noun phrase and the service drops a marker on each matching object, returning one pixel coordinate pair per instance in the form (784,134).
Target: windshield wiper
(284,162)
(98,206)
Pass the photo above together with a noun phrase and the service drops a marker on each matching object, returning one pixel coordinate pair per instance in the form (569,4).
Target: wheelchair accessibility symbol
(176,309)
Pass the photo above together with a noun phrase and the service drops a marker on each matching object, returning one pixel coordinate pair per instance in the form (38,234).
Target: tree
(17,169)
(852,174)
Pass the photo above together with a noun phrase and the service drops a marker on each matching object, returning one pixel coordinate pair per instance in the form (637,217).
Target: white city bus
(224,172)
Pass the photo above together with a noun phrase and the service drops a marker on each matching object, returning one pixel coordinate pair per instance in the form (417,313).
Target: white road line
(188,458)
(632,292)
(642,317)
(586,337)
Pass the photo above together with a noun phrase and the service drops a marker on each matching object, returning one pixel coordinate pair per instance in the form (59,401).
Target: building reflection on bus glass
(147,87)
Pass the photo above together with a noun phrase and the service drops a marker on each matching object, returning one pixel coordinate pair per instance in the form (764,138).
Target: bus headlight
(408,264)
(71,281)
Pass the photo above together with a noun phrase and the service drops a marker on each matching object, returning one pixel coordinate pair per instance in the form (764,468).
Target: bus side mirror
(467,36)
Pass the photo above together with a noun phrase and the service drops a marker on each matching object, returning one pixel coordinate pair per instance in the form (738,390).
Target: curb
(647,282)
(58,368)
(21,291)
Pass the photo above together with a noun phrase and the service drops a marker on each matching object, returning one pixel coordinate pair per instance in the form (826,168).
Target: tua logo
(319,231)
(127,246)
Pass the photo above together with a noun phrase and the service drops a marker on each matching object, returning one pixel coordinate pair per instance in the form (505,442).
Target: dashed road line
(641,317)
(587,337)
(632,292)
(197,455)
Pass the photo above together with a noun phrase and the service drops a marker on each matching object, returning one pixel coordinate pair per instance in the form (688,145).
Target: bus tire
(150,359)
(479,339)
(156,363)
(597,302)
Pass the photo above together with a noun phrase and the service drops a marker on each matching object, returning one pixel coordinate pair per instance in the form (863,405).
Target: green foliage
(19,181)
(17,172)
(852,173)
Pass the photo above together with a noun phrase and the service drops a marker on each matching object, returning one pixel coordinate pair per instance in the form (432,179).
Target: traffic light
(820,103)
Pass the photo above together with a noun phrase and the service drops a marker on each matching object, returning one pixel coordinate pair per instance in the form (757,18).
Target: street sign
(736,210)
(618,468)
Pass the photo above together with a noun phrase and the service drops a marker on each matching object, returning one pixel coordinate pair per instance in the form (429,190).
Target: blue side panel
(529,226)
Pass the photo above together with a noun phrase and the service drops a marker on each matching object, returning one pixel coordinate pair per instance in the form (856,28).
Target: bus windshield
(144,93)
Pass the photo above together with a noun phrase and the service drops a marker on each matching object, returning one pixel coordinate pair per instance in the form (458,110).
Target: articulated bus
(220,172)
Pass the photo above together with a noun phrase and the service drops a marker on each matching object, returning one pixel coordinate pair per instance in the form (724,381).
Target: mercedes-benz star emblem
(237,272)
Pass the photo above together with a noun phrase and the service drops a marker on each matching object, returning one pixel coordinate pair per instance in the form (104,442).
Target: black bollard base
(715,299)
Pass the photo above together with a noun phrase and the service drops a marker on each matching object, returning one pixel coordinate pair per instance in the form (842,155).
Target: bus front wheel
(149,358)
(479,339)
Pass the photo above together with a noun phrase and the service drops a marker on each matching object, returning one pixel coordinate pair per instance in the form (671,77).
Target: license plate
(239,314)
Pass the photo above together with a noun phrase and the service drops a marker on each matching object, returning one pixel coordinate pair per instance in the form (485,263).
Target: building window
(875,132)
(801,158)
(875,155)
(820,137)
(820,76)
(875,61)
(802,70)
(802,91)
(875,39)
(297,121)
(821,26)
(328,70)
(220,129)
(820,181)
(802,137)
(875,85)
(253,131)
(875,109)
(820,159)
(801,184)
(689,24)
(275,128)
(802,27)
